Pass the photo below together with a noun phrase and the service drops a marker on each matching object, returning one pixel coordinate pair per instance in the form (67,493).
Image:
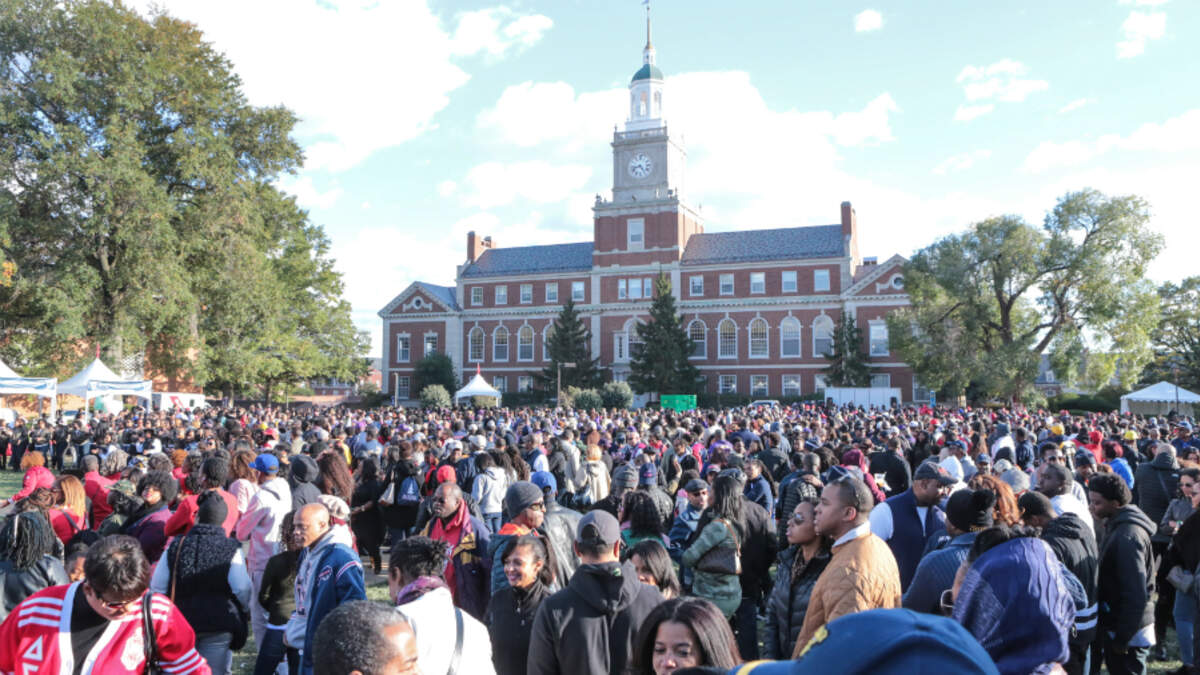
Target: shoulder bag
(149,637)
(722,559)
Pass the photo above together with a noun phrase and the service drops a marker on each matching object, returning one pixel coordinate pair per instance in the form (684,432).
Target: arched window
(525,343)
(547,336)
(633,339)
(475,340)
(758,338)
(658,104)
(822,335)
(698,332)
(500,344)
(789,337)
(642,105)
(727,339)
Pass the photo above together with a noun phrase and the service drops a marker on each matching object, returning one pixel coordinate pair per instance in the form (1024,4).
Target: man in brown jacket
(862,574)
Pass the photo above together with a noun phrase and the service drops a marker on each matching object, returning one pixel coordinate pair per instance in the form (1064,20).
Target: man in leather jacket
(559,526)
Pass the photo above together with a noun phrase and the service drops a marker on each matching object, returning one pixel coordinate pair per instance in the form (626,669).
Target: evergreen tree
(570,342)
(848,365)
(661,363)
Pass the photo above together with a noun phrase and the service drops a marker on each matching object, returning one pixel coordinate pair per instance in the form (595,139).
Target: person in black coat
(27,563)
(366,519)
(512,610)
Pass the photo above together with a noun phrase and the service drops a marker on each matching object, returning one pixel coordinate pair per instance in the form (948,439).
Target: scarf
(451,533)
(418,588)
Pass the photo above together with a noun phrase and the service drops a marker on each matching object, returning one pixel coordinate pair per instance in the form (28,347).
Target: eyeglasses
(119,606)
(540,506)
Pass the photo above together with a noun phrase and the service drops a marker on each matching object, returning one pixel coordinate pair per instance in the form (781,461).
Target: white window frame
(726,279)
(758,283)
(881,380)
(758,348)
(476,296)
(878,346)
(635,289)
(496,343)
(547,333)
(500,383)
(632,339)
(622,289)
(783,338)
(526,294)
(521,345)
(696,286)
(403,387)
(403,348)
(620,348)
(482,344)
(828,320)
(821,281)
(524,384)
(426,351)
(702,350)
(578,292)
(552,291)
(648,288)
(721,352)
(788,282)
(635,234)
(765,390)
(501,294)
(820,384)
(789,390)
(730,380)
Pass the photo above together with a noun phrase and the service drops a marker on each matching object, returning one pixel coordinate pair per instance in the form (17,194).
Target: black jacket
(894,469)
(303,472)
(758,550)
(589,626)
(1127,569)
(1074,544)
(509,619)
(560,526)
(276,593)
(1157,482)
(788,601)
(16,585)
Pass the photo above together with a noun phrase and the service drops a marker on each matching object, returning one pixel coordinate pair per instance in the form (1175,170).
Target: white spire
(648,52)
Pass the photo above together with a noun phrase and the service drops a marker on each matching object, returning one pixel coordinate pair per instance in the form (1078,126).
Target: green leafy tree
(586,399)
(848,365)
(436,368)
(1177,340)
(661,364)
(570,342)
(435,396)
(988,302)
(616,395)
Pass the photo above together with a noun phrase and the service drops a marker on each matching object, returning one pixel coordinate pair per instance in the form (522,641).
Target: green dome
(648,72)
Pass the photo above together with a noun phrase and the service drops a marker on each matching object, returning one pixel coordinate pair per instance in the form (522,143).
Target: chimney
(476,246)
(850,235)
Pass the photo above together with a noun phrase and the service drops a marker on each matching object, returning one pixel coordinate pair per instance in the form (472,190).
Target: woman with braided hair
(27,561)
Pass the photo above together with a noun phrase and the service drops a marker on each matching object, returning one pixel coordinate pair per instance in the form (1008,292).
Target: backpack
(410,492)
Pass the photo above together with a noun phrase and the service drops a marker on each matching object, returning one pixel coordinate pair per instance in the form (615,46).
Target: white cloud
(1138,29)
(493,184)
(530,113)
(446,188)
(1144,3)
(307,194)
(365,206)
(868,20)
(1075,105)
(1001,81)
(410,55)
(961,162)
(966,113)
(1177,134)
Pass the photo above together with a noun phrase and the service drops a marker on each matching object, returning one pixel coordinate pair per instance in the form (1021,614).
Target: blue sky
(423,120)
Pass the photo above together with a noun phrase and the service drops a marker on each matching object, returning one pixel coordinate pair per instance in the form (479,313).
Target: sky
(422,120)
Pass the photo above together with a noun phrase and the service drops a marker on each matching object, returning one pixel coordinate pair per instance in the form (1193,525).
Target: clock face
(640,166)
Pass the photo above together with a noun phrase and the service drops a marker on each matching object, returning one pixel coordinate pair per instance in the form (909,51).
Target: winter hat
(625,477)
(445,474)
(520,496)
(648,475)
(953,467)
(338,509)
(1017,479)
(211,509)
(971,510)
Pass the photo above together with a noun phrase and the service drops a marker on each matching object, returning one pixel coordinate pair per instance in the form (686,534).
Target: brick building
(760,304)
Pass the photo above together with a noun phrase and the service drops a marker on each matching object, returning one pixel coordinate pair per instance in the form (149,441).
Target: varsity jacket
(35,639)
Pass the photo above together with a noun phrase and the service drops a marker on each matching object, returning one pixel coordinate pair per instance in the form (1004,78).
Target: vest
(908,541)
(202,591)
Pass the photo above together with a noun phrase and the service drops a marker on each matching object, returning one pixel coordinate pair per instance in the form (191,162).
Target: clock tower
(647,211)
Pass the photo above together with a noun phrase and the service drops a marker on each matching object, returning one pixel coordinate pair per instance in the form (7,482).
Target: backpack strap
(456,657)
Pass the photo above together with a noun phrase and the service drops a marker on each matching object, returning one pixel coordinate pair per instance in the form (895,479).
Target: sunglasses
(119,606)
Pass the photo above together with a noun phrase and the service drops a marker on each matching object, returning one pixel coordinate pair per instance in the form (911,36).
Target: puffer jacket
(489,490)
(589,626)
(1157,482)
(1127,571)
(16,585)
(794,581)
(723,590)
(861,575)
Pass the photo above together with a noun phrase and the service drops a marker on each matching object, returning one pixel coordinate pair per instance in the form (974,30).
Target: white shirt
(1067,503)
(882,524)
(860,531)
(432,619)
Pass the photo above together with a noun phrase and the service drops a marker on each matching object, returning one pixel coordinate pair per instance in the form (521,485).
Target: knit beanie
(971,510)
(211,509)
(625,477)
(520,496)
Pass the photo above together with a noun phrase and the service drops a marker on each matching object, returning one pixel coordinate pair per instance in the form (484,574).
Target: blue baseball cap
(544,480)
(266,463)
(902,641)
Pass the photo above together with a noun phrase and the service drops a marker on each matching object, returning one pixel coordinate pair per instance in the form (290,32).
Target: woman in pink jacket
(36,476)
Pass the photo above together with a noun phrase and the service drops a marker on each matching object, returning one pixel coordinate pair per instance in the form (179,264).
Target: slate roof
(532,260)
(443,294)
(820,241)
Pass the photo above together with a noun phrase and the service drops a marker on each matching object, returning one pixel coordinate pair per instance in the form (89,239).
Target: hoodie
(1157,481)
(589,626)
(1127,570)
(1074,543)
(328,575)
(303,472)
(489,490)
(260,524)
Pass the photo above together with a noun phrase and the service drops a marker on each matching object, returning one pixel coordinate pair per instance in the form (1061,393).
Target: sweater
(275,592)
(935,573)
(185,514)
(205,572)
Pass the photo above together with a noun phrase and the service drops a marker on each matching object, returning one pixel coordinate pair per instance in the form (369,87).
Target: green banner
(678,402)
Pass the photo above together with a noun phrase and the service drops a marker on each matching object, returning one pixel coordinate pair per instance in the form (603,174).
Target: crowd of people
(537,540)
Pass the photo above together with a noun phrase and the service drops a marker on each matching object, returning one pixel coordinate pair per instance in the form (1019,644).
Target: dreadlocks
(25,539)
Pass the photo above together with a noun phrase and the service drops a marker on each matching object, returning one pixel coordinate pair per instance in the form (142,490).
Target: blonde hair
(593,453)
(31,459)
(74,498)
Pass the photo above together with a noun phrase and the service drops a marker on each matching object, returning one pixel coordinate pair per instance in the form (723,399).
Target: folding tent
(477,387)
(11,383)
(1160,399)
(98,380)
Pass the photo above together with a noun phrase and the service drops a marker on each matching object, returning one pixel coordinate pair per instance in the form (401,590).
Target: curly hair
(25,539)
(335,478)
(31,459)
(1006,510)
(643,515)
(418,557)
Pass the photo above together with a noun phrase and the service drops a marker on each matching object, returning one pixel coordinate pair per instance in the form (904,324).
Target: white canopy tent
(98,380)
(477,387)
(1160,399)
(11,383)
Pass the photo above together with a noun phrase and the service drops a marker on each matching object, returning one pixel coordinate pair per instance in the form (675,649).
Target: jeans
(1166,596)
(492,520)
(272,651)
(1131,662)
(1185,627)
(214,647)
(745,628)
(258,614)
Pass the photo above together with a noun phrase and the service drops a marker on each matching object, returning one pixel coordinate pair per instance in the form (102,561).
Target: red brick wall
(416,332)
(514,292)
(513,326)
(773,278)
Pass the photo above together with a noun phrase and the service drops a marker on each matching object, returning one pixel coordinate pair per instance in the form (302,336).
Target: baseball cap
(598,526)
(266,463)
(544,480)
(935,471)
(695,485)
(648,475)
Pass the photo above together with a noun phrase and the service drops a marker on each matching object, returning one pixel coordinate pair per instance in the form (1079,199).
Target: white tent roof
(1163,392)
(98,380)
(5,371)
(12,383)
(476,387)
